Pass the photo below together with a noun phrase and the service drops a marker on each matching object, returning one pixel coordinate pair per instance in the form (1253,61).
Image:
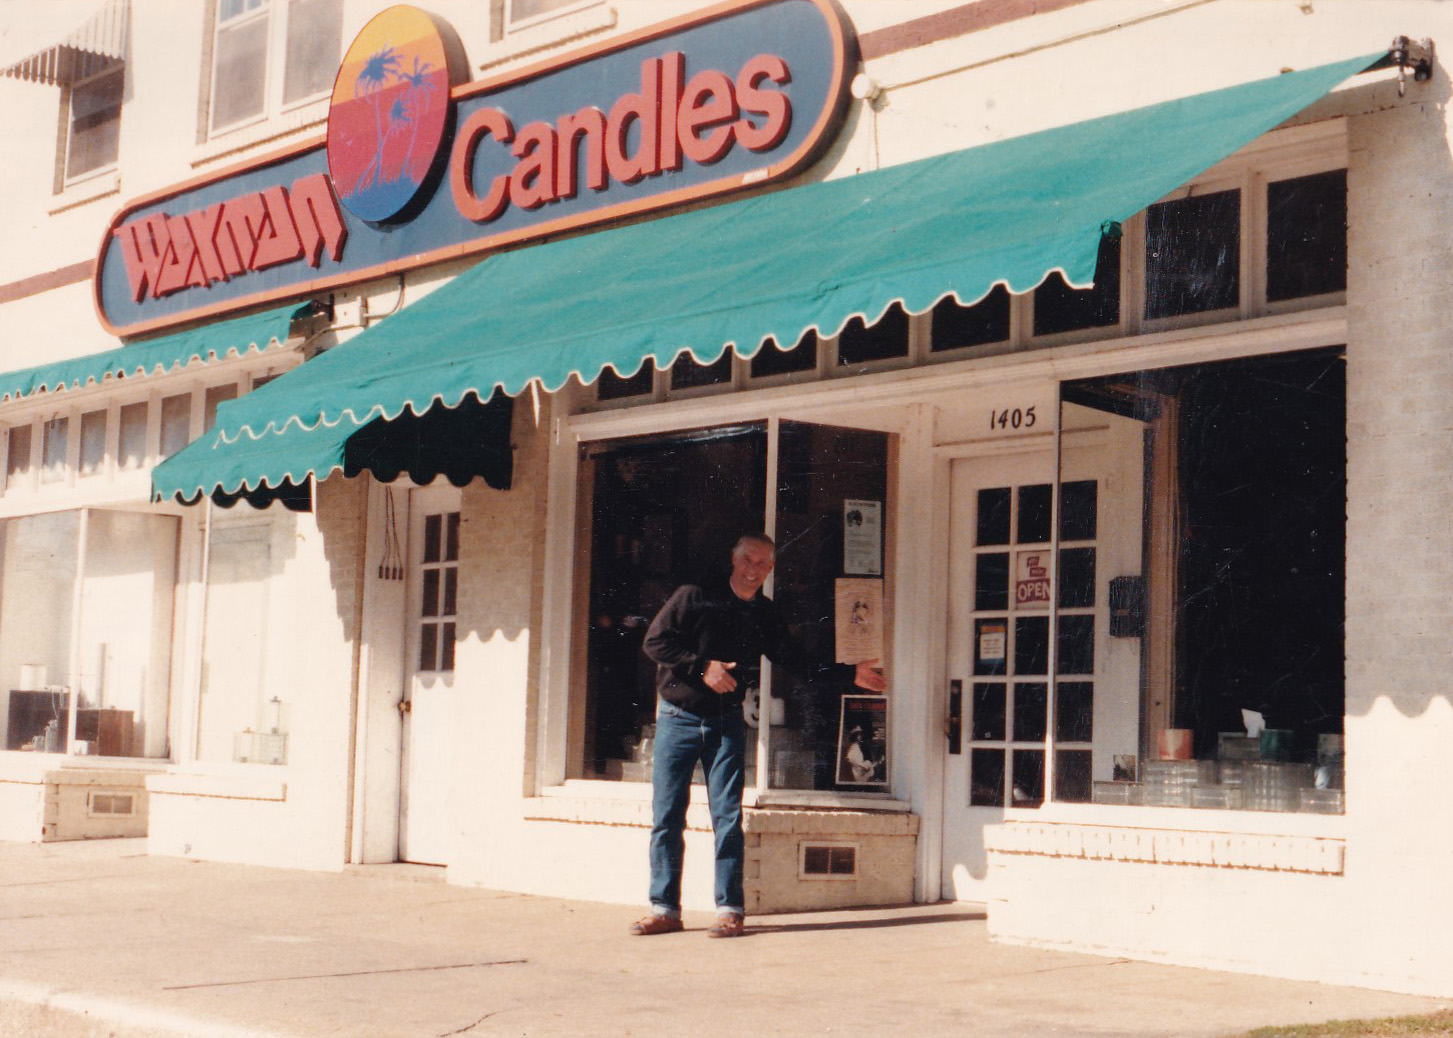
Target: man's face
(750,565)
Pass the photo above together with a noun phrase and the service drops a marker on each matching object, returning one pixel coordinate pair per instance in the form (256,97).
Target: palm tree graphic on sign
(420,87)
(372,78)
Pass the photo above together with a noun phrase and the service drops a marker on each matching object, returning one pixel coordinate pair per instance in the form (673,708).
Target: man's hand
(718,677)
(870,676)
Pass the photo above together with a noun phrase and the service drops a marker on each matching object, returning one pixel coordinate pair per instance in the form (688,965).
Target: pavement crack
(351,973)
(470,1027)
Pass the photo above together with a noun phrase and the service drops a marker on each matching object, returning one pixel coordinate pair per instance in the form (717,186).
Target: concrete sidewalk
(99,939)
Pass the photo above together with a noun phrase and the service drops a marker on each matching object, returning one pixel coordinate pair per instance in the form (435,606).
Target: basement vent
(829,861)
(111,804)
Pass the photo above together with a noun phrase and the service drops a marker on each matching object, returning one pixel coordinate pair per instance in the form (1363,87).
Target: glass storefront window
(244,694)
(95,682)
(1199,645)
(666,511)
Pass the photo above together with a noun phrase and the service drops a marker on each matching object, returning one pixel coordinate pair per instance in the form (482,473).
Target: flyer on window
(858,619)
(863,537)
(862,753)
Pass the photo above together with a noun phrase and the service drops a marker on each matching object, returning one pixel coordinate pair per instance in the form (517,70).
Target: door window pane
(993,517)
(1031,644)
(1031,705)
(986,777)
(1036,505)
(991,583)
(989,710)
(1028,788)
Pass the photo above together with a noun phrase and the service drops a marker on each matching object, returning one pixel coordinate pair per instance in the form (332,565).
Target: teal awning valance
(155,356)
(772,265)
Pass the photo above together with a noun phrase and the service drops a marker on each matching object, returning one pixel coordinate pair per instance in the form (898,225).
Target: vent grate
(111,804)
(829,859)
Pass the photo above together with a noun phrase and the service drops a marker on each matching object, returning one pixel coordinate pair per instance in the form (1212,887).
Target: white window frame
(277,15)
(64,179)
(569,7)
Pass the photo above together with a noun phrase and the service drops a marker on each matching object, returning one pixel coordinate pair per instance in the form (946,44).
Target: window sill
(231,783)
(1174,837)
(1186,819)
(629,803)
(278,131)
(553,32)
(84,192)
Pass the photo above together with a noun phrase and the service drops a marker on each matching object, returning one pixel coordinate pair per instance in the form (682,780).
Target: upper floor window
(269,55)
(527,12)
(93,123)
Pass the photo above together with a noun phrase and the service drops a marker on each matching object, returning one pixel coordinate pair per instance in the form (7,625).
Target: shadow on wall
(1399,180)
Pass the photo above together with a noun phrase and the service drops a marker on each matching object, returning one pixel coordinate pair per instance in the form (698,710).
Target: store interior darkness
(1260,504)
(667,510)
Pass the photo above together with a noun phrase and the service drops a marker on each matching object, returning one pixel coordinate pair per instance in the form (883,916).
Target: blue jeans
(719,743)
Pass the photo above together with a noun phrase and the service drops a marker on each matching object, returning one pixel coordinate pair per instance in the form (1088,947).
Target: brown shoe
(652,924)
(728,924)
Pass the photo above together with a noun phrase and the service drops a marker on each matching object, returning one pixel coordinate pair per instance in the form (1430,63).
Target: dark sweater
(709,622)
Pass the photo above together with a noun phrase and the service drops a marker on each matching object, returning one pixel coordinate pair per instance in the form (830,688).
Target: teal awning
(154,357)
(471,439)
(776,264)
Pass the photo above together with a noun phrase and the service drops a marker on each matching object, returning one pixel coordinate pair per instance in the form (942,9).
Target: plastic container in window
(1225,798)
(1116,793)
(1322,801)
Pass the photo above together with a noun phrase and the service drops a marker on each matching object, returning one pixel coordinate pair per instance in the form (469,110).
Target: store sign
(1031,579)
(416,169)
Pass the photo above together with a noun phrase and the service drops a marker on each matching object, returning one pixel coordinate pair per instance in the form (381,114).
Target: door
(1040,696)
(429,705)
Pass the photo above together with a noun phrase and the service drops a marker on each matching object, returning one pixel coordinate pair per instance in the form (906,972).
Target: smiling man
(707,643)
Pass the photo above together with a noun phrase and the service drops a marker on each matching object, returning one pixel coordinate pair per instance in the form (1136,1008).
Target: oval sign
(389,113)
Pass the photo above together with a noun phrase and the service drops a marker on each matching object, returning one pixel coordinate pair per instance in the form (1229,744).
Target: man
(705,642)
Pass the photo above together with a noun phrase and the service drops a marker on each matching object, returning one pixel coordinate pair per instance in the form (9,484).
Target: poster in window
(858,609)
(863,741)
(862,537)
(993,642)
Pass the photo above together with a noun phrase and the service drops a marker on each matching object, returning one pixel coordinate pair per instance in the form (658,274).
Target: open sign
(1031,579)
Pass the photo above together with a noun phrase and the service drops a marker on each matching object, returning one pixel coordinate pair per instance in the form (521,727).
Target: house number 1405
(1012,418)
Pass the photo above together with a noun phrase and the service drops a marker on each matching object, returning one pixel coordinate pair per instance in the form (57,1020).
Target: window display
(665,511)
(1240,600)
(85,632)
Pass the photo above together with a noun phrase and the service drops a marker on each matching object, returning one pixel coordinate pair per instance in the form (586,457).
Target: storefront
(1090,416)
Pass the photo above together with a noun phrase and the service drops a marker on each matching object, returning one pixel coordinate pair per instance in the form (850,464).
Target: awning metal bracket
(1406,54)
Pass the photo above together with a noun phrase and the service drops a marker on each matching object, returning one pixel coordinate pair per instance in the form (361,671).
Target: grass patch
(1440,1023)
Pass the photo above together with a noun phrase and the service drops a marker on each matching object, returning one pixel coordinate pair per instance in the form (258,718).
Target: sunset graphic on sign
(389,112)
